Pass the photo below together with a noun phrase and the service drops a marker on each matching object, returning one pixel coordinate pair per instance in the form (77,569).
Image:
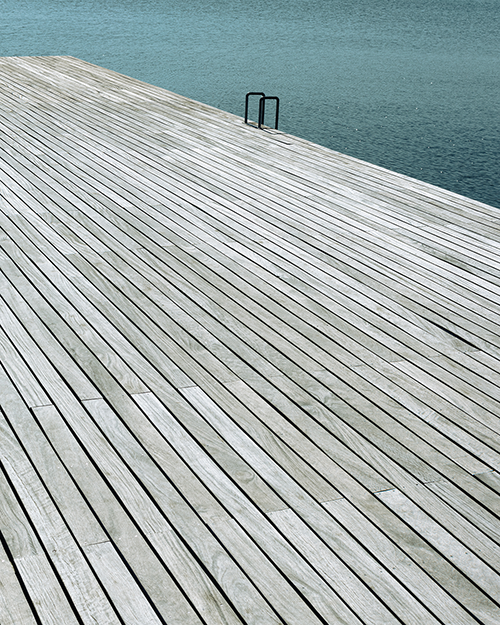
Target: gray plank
(450,422)
(480,516)
(70,503)
(121,587)
(272,582)
(328,563)
(146,565)
(393,552)
(33,566)
(32,391)
(291,563)
(491,478)
(214,558)
(472,566)
(41,334)
(14,607)
(173,551)
(79,580)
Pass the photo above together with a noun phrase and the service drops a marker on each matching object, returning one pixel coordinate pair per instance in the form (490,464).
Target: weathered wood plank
(297,570)
(14,606)
(76,378)
(121,587)
(34,569)
(492,479)
(67,559)
(78,516)
(146,564)
(158,530)
(234,583)
(416,564)
(472,566)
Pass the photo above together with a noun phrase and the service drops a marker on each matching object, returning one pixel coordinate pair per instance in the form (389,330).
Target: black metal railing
(262,104)
(246,102)
(262,107)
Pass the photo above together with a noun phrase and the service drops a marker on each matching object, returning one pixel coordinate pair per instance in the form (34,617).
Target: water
(413,86)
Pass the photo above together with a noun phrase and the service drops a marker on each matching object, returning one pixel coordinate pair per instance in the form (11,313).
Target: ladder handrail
(246,101)
(262,103)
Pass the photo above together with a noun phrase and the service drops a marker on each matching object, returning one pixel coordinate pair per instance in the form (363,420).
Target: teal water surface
(412,86)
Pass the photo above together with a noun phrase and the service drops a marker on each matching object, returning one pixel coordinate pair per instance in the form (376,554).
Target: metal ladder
(262,104)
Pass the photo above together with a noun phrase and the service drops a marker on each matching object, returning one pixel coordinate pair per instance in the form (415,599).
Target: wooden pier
(243,378)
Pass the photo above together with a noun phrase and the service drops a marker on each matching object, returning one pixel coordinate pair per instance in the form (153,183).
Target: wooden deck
(243,378)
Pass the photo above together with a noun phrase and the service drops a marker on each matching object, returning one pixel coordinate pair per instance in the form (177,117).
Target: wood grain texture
(40,583)
(151,572)
(244,379)
(67,559)
(471,565)
(14,607)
